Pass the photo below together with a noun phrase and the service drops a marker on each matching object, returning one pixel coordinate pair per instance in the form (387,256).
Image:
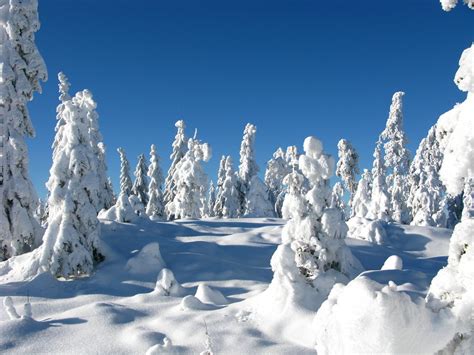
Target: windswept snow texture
(132,305)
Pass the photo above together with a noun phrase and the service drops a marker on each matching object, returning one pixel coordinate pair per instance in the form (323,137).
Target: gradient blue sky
(294,68)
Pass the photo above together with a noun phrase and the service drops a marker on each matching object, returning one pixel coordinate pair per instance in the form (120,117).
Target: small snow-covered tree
(227,203)
(71,244)
(189,177)
(348,167)
(337,197)
(125,181)
(380,199)
(291,157)
(277,169)
(180,146)
(211,200)
(362,199)
(155,208)
(257,202)
(248,167)
(313,255)
(22,70)
(140,185)
(397,160)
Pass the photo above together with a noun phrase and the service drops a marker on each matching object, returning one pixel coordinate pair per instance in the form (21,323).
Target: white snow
(393,262)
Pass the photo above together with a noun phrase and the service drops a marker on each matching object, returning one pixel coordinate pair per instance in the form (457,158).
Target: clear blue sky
(294,68)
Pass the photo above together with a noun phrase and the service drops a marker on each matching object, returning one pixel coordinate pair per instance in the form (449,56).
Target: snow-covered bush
(227,202)
(180,147)
(71,245)
(22,71)
(189,178)
(365,229)
(313,255)
(348,167)
(155,208)
(140,185)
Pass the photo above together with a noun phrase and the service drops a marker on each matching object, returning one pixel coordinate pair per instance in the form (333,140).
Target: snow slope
(116,310)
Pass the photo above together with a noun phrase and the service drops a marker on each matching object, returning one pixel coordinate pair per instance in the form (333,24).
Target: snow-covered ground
(117,310)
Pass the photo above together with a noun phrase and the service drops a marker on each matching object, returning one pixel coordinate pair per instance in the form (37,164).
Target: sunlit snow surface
(117,311)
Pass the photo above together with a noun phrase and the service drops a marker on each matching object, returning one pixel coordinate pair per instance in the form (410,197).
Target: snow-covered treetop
(314,164)
(64,86)
(448,5)
(464,77)
(348,165)
(248,166)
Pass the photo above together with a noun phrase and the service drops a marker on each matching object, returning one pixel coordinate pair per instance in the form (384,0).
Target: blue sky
(294,68)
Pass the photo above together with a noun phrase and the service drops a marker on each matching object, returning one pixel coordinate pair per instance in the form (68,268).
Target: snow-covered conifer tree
(211,200)
(71,244)
(337,197)
(277,169)
(227,203)
(180,146)
(448,5)
(362,204)
(291,157)
(22,70)
(125,181)
(257,202)
(397,160)
(189,177)
(380,199)
(140,185)
(348,167)
(248,167)
(453,286)
(313,255)
(155,208)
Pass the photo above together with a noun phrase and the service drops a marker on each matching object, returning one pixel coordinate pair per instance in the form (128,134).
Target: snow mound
(368,317)
(166,285)
(165,348)
(366,229)
(208,295)
(192,303)
(147,261)
(393,262)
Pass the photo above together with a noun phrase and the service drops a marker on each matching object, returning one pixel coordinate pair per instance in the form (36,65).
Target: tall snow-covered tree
(155,208)
(125,180)
(362,199)
(211,200)
(380,199)
(453,286)
(190,177)
(180,146)
(313,254)
(71,244)
(21,72)
(227,203)
(248,167)
(140,185)
(277,169)
(397,160)
(348,167)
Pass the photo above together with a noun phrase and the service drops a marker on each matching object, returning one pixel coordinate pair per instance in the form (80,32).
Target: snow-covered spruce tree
(380,199)
(291,157)
(337,197)
(227,202)
(71,242)
(211,200)
(427,199)
(313,255)
(189,177)
(122,211)
(155,208)
(277,169)
(140,185)
(257,202)
(448,5)
(453,286)
(362,199)
(22,71)
(248,167)
(348,167)
(180,146)
(397,161)
(107,195)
